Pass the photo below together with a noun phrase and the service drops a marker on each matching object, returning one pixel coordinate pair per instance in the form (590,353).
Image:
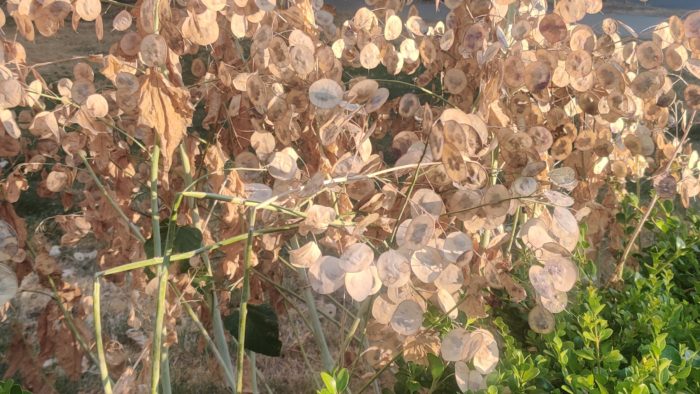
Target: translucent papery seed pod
(9,244)
(357,257)
(427,264)
(8,284)
(325,275)
(305,256)
(468,380)
(555,303)
(540,320)
(407,318)
(362,284)
(393,268)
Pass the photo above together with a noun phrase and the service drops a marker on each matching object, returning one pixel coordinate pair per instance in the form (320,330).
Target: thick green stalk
(217,322)
(104,372)
(245,296)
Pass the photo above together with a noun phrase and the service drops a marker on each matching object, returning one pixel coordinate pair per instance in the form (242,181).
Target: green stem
(104,372)
(253,370)
(217,322)
(245,295)
(361,314)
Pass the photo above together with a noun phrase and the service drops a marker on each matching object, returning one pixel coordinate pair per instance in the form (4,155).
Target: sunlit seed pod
(409,50)
(541,281)
(486,356)
(383,309)
(582,38)
(691,25)
(563,176)
(426,201)
(359,284)
(419,232)
(393,269)
(447,303)
(408,105)
(11,93)
(579,63)
(266,5)
(649,55)
(524,186)
(456,244)
(325,93)
(571,11)
(362,91)
(447,40)
(377,100)
(325,275)
(521,29)
(455,345)
(609,26)
(564,273)
(153,50)
(468,380)
(540,320)
(370,56)
(282,166)
(407,318)
(88,10)
(357,257)
(214,5)
(564,223)
(553,28)
(555,303)
(96,106)
(647,84)
(81,90)
(558,198)
(474,38)
(537,76)
(552,251)
(451,279)
(8,284)
(534,168)
(318,218)
(427,264)
(122,21)
(302,60)
(305,256)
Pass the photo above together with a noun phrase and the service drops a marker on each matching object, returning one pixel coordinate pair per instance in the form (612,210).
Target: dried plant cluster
(521,123)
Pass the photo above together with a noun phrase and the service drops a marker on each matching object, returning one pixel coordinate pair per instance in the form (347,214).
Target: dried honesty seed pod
(407,318)
(305,256)
(419,232)
(325,93)
(8,284)
(540,320)
(468,380)
(487,355)
(393,269)
(357,257)
(427,264)
(9,245)
(325,275)
(362,284)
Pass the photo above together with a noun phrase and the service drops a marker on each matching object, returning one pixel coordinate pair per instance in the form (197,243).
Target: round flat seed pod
(357,257)
(447,303)
(407,318)
(451,279)
(419,232)
(691,25)
(571,11)
(408,105)
(514,71)
(579,64)
(383,309)
(302,60)
(524,186)
(594,6)
(456,244)
(486,357)
(691,94)
(392,28)
(540,320)
(427,264)
(11,93)
(305,256)
(649,55)
(393,269)
(455,81)
(9,244)
(564,273)
(266,5)
(377,100)
(555,303)
(122,21)
(325,275)
(359,284)
(426,201)
(496,201)
(153,50)
(468,380)
(88,10)
(81,90)
(553,28)
(282,166)
(541,281)
(96,106)
(563,176)
(558,198)
(537,76)
(325,93)
(362,91)
(8,284)
(370,56)
(455,345)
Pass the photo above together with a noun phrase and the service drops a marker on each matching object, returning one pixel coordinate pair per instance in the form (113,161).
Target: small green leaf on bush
(641,389)
(262,329)
(342,379)
(436,366)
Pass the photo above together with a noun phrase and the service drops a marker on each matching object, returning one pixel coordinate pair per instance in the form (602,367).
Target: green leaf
(187,238)
(342,379)
(530,373)
(262,329)
(329,382)
(606,333)
(641,389)
(436,366)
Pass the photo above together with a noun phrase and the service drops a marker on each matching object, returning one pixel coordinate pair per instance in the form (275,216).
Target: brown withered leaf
(25,364)
(166,109)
